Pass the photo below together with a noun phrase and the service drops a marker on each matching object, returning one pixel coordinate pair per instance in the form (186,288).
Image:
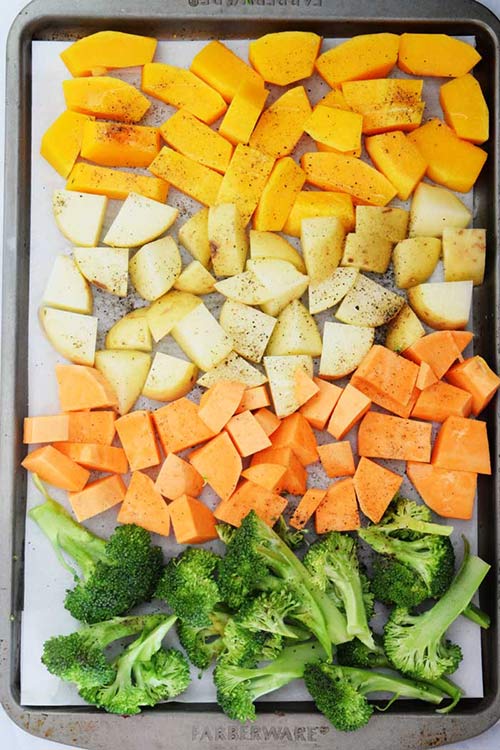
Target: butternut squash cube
(87,178)
(285,183)
(398,159)
(335,98)
(364,56)
(106,97)
(282,124)
(336,129)
(119,145)
(193,138)
(62,141)
(285,56)
(436,55)
(309,204)
(196,180)
(108,50)
(386,103)
(245,180)
(222,69)
(465,109)
(244,111)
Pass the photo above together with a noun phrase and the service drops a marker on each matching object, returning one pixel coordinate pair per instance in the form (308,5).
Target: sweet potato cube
(219,464)
(97,497)
(254,398)
(389,375)
(57,469)
(179,426)
(475,376)
(193,522)
(425,377)
(82,387)
(219,403)
(447,492)
(62,141)
(375,488)
(385,436)
(306,507)
(337,459)
(462,444)
(247,434)
(144,506)
(318,409)
(350,408)
(137,437)
(267,420)
(177,477)
(438,349)
(269,476)
(92,427)
(441,400)
(196,180)
(338,510)
(46,429)
(305,387)
(249,496)
(296,433)
(284,184)
(295,480)
(96,457)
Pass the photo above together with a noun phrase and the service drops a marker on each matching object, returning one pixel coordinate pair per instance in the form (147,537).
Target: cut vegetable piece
(91,427)
(228,240)
(338,510)
(285,56)
(335,98)
(196,180)
(67,289)
(249,329)
(107,50)
(386,103)
(140,220)
(385,436)
(130,332)
(415,260)
(219,403)
(375,488)
(462,339)
(195,279)
(441,400)
(115,183)
(169,378)
(296,332)
(53,467)
(286,283)
(295,480)
(191,137)
(337,459)
(398,159)
(71,334)
(306,507)
(46,429)
(271,246)
(319,408)
(281,125)
(249,496)
(439,350)
(462,444)
(137,437)
(305,387)
(193,235)
(83,387)
(366,252)
(433,208)
(221,68)
(390,224)
(177,477)
(144,506)
(403,330)
(181,88)
(96,457)
(310,204)
(155,268)
(79,216)
(179,426)
(105,267)
(476,377)
(244,288)
(336,130)
(344,347)
(247,434)
(269,476)
(62,141)
(448,493)
(296,433)
(363,56)
(219,463)
(284,184)
(464,254)
(281,374)
(253,399)
(465,109)
(119,145)
(384,375)
(349,409)
(245,180)
(322,240)
(233,368)
(443,305)
(244,111)
(202,338)
(330,291)
(426,377)
(436,55)
(126,371)
(368,304)
(106,97)
(97,497)
(165,312)
(267,420)
(192,521)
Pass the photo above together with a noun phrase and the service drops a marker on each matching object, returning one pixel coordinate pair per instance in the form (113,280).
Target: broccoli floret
(257,559)
(203,643)
(355,653)
(340,693)
(395,583)
(245,647)
(406,519)
(293,537)
(333,564)
(415,644)
(268,612)
(189,587)
(225,531)
(115,575)
(238,687)
(145,674)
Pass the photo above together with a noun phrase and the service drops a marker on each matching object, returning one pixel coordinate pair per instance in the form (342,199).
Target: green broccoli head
(189,586)
(164,676)
(294,538)
(407,519)
(268,611)
(225,531)
(395,583)
(356,654)
(241,646)
(203,644)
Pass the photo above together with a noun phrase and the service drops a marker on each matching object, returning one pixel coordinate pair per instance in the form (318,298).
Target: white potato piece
(105,267)
(367,252)
(71,334)
(280,372)
(464,255)
(67,288)
(126,371)
(130,332)
(443,305)
(245,288)
(193,235)
(329,292)
(79,216)
(272,246)
(202,338)
(140,220)
(195,279)
(368,304)
(296,332)
(382,222)
(233,367)
(249,329)
(434,208)
(344,346)
(414,260)
(228,239)
(169,378)
(165,312)
(403,330)
(322,239)
(280,278)
(155,268)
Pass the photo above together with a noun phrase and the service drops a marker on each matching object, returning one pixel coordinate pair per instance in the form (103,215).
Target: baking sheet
(45,581)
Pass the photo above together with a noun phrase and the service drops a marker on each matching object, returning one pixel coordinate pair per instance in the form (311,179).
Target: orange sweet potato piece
(305,387)
(337,459)
(267,420)
(475,376)
(296,433)
(350,408)
(247,434)
(249,496)
(193,522)
(219,464)
(363,56)
(439,401)
(97,497)
(425,377)
(462,339)
(176,477)
(269,476)
(338,511)
(306,507)
(56,468)
(436,55)
(385,400)
(96,457)
(375,488)
(295,480)
(385,436)
(219,403)
(319,408)
(137,437)
(256,397)
(391,376)
(462,444)
(179,426)
(438,349)
(46,429)
(144,506)
(82,387)
(448,493)
(92,427)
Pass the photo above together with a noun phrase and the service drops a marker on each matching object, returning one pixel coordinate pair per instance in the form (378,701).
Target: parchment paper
(45,581)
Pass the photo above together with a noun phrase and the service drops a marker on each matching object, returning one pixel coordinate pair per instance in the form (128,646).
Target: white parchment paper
(45,581)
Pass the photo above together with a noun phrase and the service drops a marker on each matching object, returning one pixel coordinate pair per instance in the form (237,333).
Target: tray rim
(83,726)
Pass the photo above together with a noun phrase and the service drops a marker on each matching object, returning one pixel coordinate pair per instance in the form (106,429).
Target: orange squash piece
(244,111)
(91,427)
(46,429)
(296,433)
(82,387)
(281,125)
(375,488)
(385,436)
(335,98)
(193,138)
(305,387)
(116,184)
(398,159)
(96,457)
(441,400)
(476,377)
(179,426)
(337,130)
(62,141)
(436,55)
(310,204)
(425,377)
(439,350)
(249,496)
(392,377)
(462,444)
(106,97)
(144,506)
(269,476)
(57,469)
(97,497)
(318,409)
(222,69)
(254,398)
(284,184)
(247,434)
(219,403)
(306,507)
(193,522)
(245,179)
(295,480)
(112,144)
(338,511)
(465,109)
(386,104)
(219,463)
(363,56)
(137,437)
(267,420)
(337,459)
(176,477)
(285,56)
(185,174)
(350,408)
(108,50)
(448,493)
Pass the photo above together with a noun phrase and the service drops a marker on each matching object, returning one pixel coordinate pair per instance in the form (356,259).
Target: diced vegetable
(279,195)
(193,138)
(386,103)
(54,467)
(71,334)
(144,506)
(221,68)
(363,56)
(367,253)
(436,55)
(398,159)
(385,436)
(415,259)
(449,493)
(295,479)
(403,330)
(219,403)
(202,338)
(349,409)
(247,434)
(46,429)
(126,371)
(107,50)
(309,204)
(242,114)
(219,464)
(439,350)
(285,56)
(465,109)
(322,240)
(169,378)
(441,400)
(119,145)
(295,332)
(462,444)
(296,433)
(464,254)
(97,497)
(228,239)
(83,387)
(280,277)
(344,347)
(338,510)
(233,368)
(62,141)
(96,457)
(330,291)
(196,180)
(271,246)
(368,304)
(347,174)
(433,208)
(193,235)
(245,179)
(177,477)
(442,305)
(140,220)
(269,476)
(319,408)
(193,522)
(106,97)
(387,378)
(475,376)
(79,216)
(105,267)
(254,398)
(281,125)
(165,312)
(281,374)
(426,377)
(67,288)
(337,459)
(375,488)
(115,183)
(130,332)
(137,437)
(267,420)
(92,427)
(306,507)
(155,268)
(249,496)
(337,130)
(179,426)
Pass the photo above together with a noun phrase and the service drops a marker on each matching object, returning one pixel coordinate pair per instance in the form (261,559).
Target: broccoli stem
(352,596)
(475,614)
(104,633)
(413,524)
(368,681)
